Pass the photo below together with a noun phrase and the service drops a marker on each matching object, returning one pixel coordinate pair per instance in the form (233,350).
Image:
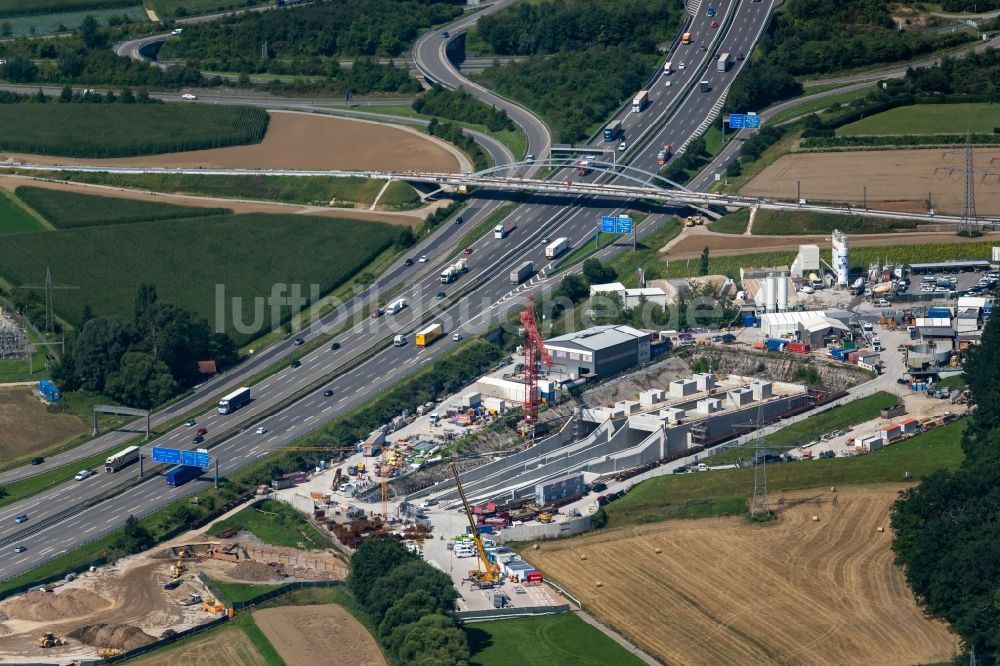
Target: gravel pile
(120,636)
(48,606)
(252,571)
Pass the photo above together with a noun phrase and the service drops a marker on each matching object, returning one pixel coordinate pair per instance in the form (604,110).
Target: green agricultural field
(173,8)
(928,119)
(782,223)
(122,130)
(69,210)
(812,428)
(195,262)
(23,7)
(43,24)
(318,190)
(275,523)
(14,219)
(733,223)
(552,640)
(726,492)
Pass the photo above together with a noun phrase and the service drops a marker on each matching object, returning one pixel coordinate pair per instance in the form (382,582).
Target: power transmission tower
(759,505)
(969,222)
(49,287)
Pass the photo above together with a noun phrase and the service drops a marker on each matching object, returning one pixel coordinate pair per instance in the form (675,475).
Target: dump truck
(426,337)
(48,639)
(663,155)
(452,272)
(522,272)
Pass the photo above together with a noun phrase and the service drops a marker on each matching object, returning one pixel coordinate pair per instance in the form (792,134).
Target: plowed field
(310,635)
(221,647)
(724,591)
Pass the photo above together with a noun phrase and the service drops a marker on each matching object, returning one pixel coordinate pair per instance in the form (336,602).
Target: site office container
(799,348)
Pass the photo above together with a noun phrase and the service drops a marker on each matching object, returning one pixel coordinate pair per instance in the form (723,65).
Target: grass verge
(784,223)
(234,592)
(275,523)
(725,492)
(15,218)
(927,119)
(734,223)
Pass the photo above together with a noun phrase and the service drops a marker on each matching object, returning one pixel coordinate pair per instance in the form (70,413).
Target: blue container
(913,333)
(839,354)
(774,344)
(750,321)
(939,313)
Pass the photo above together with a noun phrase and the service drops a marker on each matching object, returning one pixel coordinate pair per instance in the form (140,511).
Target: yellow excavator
(48,639)
(486,575)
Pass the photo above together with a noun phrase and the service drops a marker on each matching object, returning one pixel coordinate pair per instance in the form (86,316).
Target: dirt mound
(253,571)
(48,606)
(120,636)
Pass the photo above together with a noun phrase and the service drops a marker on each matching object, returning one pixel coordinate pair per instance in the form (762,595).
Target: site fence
(508,613)
(163,642)
(270,594)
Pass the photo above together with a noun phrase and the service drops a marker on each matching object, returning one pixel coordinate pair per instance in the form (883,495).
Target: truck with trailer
(640,101)
(522,272)
(613,130)
(426,336)
(121,459)
(501,230)
(235,400)
(452,272)
(396,306)
(663,155)
(556,247)
(722,64)
(180,475)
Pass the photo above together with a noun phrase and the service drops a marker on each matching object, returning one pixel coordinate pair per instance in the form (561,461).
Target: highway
(491,258)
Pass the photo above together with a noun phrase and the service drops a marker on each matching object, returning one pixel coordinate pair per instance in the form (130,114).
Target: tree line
(146,361)
(947,535)
(454,133)
(410,603)
(460,105)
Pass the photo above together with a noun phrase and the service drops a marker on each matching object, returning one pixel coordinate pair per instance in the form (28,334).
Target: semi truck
(234,400)
(522,272)
(396,306)
(705,86)
(663,155)
(178,476)
(722,64)
(501,230)
(121,459)
(640,101)
(427,336)
(613,131)
(556,247)
(452,272)
(583,168)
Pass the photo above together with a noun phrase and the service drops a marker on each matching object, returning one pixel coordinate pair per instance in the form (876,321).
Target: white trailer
(556,247)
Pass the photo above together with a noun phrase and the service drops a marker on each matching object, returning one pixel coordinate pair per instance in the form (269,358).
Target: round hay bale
(833,489)
(599,584)
(657,551)
(583,557)
(816,518)
(534,546)
(881,529)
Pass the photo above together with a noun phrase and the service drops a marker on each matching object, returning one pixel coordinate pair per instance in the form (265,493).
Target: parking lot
(960,283)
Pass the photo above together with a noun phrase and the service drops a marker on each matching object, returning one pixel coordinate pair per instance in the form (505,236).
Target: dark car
(440,296)
(298,341)
(740,56)
(445,35)
(459,220)
(680,470)
(37,461)
(408,262)
(296,363)
(198,440)
(327,393)
(20,549)
(467,250)
(599,487)
(190,422)
(172,584)
(201,431)
(335,346)
(22,518)
(728,338)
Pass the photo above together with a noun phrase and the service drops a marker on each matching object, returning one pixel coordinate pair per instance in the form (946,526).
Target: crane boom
(489,576)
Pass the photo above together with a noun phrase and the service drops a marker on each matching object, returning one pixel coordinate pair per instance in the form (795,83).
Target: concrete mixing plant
(840,258)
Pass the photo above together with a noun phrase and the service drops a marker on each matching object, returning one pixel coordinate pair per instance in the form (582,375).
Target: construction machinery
(534,351)
(212,606)
(104,653)
(48,639)
(191,600)
(177,569)
(486,575)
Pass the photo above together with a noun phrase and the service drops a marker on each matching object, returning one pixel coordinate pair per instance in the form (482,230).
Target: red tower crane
(534,350)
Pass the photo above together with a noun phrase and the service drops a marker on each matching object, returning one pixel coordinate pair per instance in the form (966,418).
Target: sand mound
(48,606)
(253,571)
(120,636)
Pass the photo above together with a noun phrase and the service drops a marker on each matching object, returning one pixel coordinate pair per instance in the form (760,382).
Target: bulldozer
(48,639)
(104,653)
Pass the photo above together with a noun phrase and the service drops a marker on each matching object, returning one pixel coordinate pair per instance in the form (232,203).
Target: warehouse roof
(597,337)
(824,323)
(936,331)
(790,318)
(973,263)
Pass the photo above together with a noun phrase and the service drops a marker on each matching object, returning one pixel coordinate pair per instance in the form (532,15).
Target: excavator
(48,639)
(486,575)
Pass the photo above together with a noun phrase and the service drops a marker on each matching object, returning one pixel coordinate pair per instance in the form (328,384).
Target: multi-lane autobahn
(472,302)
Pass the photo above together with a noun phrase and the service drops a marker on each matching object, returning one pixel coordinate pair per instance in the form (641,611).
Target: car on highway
(622,145)
(190,422)
(408,262)
(740,56)
(680,66)
(296,363)
(81,475)
(37,461)
(198,439)
(546,240)
(327,393)
(334,346)
(459,219)
(711,11)
(715,24)
(298,341)
(20,549)
(445,35)
(423,259)
(440,296)
(668,84)
(177,31)
(261,430)
(189,96)
(456,336)
(529,158)
(703,48)
(22,518)
(467,250)
(201,431)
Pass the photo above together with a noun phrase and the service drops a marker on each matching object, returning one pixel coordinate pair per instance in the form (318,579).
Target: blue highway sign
(608,224)
(623,224)
(165,455)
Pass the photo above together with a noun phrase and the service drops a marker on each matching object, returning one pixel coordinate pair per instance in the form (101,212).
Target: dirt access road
(725,591)
(310,635)
(306,141)
(896,179)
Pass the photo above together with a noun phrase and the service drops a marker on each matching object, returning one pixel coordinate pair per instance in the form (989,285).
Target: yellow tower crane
(486,575)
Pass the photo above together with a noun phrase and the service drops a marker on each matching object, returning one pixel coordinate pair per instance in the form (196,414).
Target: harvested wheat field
(225,646)
(309,635)
(896,179)
(724,591)
(304,141)
(28,426)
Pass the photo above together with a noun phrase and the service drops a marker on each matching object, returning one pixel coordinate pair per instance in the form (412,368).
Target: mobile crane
(480,578)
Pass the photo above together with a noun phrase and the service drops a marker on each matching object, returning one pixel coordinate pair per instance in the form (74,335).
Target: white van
(399,340)
(882,303)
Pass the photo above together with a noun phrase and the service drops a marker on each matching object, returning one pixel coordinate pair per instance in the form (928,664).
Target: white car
(81,475)
(456,337)
(680,66)
(177,31)
(423,259)
(189,96)
(622,146)
(668,84)
(261,430)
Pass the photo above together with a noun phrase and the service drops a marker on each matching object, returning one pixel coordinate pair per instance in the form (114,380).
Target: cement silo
(840,257)
(782,291)
(770,293)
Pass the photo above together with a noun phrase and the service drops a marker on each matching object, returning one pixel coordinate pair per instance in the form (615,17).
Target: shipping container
(799,347)
(429,334)
(775,344)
